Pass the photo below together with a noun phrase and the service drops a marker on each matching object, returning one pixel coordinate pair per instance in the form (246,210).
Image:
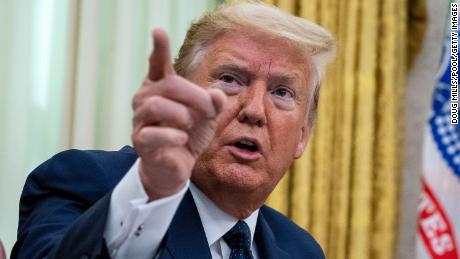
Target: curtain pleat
(281,195)
(114,45)
(345,188)
(33,58)
(364,132)
(301,193)
(309,9)
(344,109)
(287,5)
(388,154)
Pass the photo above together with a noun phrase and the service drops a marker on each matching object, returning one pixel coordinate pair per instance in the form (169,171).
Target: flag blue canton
(446,135)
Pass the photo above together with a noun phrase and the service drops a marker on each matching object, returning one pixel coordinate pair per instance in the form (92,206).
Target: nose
(252,103)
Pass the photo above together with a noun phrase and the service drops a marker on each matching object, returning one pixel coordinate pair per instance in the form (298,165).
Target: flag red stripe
(434,226)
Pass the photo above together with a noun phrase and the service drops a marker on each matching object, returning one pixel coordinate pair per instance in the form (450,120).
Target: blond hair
(310,38)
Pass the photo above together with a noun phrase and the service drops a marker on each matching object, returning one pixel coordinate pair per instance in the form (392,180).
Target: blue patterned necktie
(239,240)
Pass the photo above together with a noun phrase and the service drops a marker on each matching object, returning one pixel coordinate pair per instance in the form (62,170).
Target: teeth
(246,142)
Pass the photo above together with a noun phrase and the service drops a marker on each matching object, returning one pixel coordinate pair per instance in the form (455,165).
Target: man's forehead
(238,60)
(242,44)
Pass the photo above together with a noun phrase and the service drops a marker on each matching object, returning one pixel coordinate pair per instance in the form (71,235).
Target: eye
(227,79)
(283,92)
(230,84)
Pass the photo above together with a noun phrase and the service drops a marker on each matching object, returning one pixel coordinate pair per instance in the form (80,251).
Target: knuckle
(139,138)
(136,101)
(154,103)
(149,112)
(133,138)
(136,119)
(145,136)
(137,143)
(186,119)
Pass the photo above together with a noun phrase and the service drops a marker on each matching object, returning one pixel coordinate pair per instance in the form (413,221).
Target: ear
(304,137)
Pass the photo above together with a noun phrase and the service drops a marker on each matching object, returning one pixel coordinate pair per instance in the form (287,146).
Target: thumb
(160,59)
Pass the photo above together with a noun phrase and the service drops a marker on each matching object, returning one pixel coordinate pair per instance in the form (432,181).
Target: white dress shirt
(135,228)
(216,223)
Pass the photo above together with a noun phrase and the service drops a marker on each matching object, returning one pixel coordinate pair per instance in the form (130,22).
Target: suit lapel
(267,246)
(185,237)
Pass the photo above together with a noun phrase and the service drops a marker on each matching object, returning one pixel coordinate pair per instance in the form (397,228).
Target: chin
(240,177)
(234,176)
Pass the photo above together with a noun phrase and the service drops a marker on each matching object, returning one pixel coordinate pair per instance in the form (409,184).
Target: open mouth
(246,145)
(245,149)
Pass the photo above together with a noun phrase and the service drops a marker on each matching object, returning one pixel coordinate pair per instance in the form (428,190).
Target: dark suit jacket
(65,201)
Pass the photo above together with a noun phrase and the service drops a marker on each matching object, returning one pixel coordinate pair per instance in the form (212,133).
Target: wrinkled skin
(268,99)
(174,121)
(187,128)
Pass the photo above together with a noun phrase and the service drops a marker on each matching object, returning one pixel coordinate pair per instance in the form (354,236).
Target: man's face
(262,128)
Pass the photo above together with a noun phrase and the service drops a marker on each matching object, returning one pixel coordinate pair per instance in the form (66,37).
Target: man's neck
(236,204)
(217,222)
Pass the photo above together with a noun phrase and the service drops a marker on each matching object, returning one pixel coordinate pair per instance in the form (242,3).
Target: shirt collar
(215,221)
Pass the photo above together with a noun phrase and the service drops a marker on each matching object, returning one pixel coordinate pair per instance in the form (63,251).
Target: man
(212,137)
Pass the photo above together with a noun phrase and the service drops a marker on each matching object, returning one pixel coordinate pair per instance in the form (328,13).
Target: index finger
(160,60)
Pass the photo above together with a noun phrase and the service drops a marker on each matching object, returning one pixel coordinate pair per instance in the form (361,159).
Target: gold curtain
(345,188)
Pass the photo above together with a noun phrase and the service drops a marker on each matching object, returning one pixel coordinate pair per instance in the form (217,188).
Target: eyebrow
(233,67)
(283,78)
(274,76)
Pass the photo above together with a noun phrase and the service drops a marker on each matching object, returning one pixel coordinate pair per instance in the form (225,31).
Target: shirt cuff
(134,227)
